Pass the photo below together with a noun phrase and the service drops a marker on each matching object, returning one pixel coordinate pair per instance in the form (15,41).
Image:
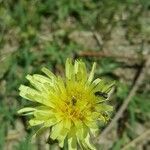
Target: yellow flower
(71,106)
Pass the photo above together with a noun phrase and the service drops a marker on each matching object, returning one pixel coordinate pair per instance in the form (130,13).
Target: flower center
(77,103)
(75,109)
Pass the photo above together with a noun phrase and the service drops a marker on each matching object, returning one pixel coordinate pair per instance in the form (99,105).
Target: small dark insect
(73,101)
(101,94)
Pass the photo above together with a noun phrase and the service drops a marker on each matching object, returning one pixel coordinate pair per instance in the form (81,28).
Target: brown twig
(126,101)
(111,54)
(136,140)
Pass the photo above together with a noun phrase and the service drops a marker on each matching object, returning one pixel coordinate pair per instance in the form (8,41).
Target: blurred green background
(37,33)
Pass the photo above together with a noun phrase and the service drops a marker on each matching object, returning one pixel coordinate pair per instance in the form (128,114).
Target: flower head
(71,106)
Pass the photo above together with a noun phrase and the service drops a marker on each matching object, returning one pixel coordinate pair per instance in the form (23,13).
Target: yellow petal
(26,109)
(69,69)
(80,71)
(56,129)
(72,143)
(37,83)
(82,132)
(34,95)
(62,136)
(95,83)
(88,144)
(91,76)
(104,107)
(35,122)
(48,73)
(25,90)
(50,122)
